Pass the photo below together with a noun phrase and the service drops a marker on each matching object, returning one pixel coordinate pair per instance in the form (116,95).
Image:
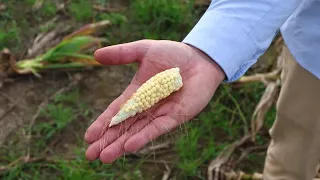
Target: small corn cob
(155,89)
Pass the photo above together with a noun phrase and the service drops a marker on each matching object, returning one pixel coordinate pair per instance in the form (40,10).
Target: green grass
(81,10)
(164,19)
(49,8)
(78,168)
(115,18)
(19,23)
(9,34)
(57,115)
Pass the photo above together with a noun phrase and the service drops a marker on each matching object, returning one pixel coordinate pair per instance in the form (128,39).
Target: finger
(97,127)
(116,149)
(157,127)
(122,53)
(109,137)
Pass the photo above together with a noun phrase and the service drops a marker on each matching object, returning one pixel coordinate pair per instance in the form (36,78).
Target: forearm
(235,33)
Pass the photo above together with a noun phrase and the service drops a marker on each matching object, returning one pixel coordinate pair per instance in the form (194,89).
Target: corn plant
(67,54)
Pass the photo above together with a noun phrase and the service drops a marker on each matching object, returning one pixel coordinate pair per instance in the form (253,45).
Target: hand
(201,77)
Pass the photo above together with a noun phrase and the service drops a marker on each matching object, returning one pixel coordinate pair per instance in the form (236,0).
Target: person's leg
(294,151)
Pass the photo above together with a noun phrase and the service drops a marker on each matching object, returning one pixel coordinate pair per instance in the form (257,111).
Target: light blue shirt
(235,33)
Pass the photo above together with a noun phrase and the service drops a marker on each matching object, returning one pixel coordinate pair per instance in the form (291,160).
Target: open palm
(200,75)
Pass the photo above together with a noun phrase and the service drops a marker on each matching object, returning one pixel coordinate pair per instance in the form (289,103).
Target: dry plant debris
(218,168)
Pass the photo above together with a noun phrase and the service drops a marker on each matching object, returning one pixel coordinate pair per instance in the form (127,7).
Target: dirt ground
(20,99)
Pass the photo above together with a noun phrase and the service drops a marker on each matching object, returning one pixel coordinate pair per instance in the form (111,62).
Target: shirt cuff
(222,39)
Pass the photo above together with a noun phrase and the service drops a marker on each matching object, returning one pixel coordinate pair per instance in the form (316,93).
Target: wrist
(218,72)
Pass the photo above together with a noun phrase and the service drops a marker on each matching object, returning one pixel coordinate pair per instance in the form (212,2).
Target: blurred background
(51,90)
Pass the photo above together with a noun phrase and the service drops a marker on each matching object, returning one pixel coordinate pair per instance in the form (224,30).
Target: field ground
(43,120)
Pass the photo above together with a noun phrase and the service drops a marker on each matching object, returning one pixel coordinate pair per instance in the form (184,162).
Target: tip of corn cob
(152,91)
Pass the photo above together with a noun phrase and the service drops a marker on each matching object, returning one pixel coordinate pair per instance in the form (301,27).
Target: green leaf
(58,55)
(70,46)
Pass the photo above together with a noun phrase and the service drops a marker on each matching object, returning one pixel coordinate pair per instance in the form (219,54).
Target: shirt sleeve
(235,33)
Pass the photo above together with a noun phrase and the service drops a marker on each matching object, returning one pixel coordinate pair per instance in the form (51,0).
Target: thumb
(122,53)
